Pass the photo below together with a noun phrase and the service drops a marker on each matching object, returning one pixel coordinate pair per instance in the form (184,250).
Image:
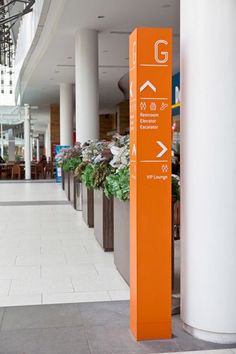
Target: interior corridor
(47,253)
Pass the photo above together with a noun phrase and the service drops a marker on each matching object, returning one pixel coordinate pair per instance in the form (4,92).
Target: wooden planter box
(104,220)
(67,184)
(72,187)
(63,179)
(122,238)
(75,192)
(78,195)
(88,205)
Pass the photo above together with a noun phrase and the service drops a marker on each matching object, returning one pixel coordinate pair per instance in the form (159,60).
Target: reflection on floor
(94,328)
(47,253)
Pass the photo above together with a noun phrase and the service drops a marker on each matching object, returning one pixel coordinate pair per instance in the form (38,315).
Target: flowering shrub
(121,152)
(94,166)
(69,158)
(92,151)
(117,184)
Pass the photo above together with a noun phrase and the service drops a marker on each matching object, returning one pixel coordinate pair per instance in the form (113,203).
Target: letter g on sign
(158,53)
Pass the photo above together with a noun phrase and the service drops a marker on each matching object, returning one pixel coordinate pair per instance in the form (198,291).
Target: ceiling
(120,18)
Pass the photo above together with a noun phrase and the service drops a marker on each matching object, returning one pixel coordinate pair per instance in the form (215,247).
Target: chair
(4,172)
(33,171)
(16,171)
(49,171)
(41,171)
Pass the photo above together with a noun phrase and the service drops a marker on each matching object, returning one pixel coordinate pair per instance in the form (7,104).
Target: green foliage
(87,176)
(70,164)
(117,184)
(175,188)
(93,175)
(100,172)
(80,170)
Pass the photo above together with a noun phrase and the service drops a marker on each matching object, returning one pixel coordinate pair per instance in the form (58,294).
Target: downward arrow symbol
(164,149)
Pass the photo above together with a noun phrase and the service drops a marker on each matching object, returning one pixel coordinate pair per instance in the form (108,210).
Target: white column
(66,114)
(32,148)
(37,149)
(2,145)
(11,146)
(86,85)
(27,143)
(48,141)
(208,163)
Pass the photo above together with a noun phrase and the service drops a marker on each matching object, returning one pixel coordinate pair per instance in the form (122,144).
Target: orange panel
(150,199)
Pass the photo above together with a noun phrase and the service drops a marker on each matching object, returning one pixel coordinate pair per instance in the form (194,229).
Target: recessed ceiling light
(101,16)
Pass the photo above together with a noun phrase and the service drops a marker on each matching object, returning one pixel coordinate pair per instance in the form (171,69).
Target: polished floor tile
(48,255)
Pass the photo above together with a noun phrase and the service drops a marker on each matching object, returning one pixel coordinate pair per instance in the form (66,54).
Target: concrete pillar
(208,166)
(87,96)
(48,141)
(2,144)
(37,149)
(32,148)
(27,143)
(66,114)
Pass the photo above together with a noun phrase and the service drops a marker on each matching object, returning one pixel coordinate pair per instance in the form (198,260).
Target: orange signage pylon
(150,195)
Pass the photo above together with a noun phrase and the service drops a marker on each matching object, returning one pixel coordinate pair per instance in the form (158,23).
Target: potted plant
(87,195)
(117,186)
(96,155)
(61,159)
(69,159)
(103,208)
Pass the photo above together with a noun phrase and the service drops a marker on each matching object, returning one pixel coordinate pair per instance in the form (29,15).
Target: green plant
(117,184)
(93,175)
(100,172)
(80,170)
(87,176)
(71,164)
(175,187)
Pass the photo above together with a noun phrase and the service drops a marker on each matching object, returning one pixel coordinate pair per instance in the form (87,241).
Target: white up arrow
(164,149)
(146,84)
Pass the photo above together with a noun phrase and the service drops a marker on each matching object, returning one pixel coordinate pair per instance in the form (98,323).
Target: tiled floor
(49,256)
(47,253)
(94,328)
